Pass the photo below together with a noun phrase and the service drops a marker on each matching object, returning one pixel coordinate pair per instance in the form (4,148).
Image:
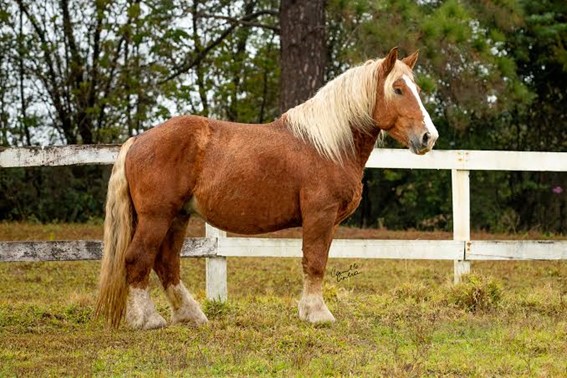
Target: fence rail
(210,247)
(216,246)
(379,158)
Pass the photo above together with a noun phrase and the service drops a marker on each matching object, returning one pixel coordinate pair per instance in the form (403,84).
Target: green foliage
(406,199)
(51,194)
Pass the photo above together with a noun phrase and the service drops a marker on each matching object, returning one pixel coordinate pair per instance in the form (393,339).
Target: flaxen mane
(348,101)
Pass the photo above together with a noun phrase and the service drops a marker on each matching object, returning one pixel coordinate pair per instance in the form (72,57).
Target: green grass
(397,318)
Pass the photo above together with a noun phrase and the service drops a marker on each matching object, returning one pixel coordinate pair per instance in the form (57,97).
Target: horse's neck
(364,141)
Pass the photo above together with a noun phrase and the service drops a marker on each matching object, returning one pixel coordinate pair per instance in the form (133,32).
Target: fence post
(216,272)
(461,218)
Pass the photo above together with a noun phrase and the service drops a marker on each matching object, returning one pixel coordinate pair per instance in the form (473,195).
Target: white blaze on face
(426,118)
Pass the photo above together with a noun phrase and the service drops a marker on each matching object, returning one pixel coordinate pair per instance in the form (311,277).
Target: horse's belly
(247,210)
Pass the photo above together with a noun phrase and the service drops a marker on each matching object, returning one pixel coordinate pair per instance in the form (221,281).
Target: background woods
(493,75)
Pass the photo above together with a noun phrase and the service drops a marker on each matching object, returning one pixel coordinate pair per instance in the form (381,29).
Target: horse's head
(398,109)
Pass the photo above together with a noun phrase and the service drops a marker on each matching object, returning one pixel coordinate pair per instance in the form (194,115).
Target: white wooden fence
(216,246)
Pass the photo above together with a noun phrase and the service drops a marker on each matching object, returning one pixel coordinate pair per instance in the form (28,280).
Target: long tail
(118,231)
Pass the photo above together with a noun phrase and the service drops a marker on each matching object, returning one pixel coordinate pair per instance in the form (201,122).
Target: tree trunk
(303,50)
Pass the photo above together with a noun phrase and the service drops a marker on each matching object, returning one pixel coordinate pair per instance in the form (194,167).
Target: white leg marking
(141,312)
(426,118)
(312,307)
(184,309)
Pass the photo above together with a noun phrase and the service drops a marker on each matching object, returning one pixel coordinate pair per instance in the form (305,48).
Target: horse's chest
(351,200)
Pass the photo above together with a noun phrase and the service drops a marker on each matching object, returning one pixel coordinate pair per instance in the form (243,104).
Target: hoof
(154,321)
(145,320)
(189,316)
(184,309)
(314,310)
(140,311)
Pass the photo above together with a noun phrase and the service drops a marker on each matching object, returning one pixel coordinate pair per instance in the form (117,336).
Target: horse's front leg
(318,229)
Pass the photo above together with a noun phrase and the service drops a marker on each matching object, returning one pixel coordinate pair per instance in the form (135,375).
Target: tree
(245,68)
(303,50)
(102,71)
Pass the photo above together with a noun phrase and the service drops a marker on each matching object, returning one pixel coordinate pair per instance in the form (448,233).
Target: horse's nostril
(425,138)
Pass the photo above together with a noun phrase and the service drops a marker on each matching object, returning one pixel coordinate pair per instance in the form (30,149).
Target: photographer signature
(342,275)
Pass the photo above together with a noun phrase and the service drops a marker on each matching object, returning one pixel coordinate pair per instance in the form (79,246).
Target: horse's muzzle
(422,144)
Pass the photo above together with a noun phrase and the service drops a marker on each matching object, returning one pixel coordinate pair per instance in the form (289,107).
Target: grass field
(396,318)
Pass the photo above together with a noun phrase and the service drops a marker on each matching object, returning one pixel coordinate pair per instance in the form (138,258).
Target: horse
(304,169)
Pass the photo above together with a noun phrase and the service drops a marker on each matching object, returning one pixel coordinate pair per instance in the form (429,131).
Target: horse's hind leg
(184,309)
(140,256)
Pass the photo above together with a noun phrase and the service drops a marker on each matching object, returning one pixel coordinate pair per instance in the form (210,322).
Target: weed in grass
(215,309)
(476,293)
(416,292)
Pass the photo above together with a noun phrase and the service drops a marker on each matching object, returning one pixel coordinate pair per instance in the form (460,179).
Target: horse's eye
(398,91)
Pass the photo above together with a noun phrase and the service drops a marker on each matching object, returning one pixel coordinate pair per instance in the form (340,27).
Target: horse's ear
(411,60)
(389,61)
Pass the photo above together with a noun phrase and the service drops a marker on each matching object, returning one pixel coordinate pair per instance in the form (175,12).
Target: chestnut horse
(304,169)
